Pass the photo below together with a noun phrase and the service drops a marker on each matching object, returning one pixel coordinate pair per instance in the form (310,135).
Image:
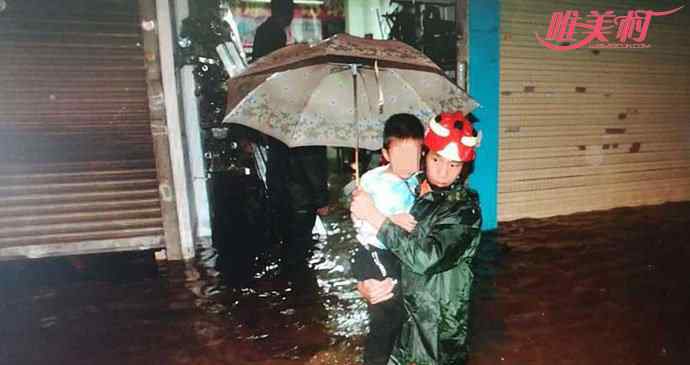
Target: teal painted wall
(483,85)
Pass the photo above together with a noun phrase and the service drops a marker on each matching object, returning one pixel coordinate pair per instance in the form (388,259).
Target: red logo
(566,27)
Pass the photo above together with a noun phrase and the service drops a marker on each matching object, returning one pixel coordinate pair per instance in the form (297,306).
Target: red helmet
(452,136)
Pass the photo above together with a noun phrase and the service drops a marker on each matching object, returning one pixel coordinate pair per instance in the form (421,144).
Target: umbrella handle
(357,166)
(356,115)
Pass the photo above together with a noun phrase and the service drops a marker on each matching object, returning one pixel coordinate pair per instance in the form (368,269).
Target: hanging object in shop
(425,25)
(231,57)
(232,53)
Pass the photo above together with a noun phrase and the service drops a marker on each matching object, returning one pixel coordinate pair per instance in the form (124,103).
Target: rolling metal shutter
(77,171)
(592,129)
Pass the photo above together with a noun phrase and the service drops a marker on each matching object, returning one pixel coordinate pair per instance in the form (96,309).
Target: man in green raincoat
(436,247)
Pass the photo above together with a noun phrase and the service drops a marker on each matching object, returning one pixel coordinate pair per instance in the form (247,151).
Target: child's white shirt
(391,195)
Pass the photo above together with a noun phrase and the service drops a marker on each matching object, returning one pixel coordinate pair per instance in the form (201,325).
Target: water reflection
(289,316)
(603,287)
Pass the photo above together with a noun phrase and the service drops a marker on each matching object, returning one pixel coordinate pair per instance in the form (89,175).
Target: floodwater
(603,287)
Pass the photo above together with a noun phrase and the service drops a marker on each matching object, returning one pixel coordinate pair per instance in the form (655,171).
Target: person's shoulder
(465,203)
(472,194)
(269,27)
(374,173)
(462,198)
(372,179)
(260,29)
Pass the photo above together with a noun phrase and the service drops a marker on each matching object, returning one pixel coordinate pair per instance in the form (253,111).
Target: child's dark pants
(385,318)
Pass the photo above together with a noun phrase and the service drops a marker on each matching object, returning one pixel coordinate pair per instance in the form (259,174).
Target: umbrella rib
(420,100)
(250,94)
(366,94)
(241,102)
(371,111)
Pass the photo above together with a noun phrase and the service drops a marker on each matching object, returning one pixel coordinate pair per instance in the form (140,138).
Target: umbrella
(339,92)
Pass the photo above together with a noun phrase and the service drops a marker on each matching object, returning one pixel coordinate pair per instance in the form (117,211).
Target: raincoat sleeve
(437,244)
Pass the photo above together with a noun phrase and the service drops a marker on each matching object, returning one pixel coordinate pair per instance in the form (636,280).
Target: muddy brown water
(603,287)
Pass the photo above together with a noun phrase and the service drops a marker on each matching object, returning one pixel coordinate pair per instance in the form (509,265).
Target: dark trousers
(385,324)
(299,240)
(307,191)
(277,173)
(386,318)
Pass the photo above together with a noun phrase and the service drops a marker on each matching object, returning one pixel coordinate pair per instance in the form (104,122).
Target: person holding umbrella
(436,255)
(297,178)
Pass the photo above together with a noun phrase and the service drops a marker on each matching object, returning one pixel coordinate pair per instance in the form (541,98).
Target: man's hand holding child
(376,291)
(405,220)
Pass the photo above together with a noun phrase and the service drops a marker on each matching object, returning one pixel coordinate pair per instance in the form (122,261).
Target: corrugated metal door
(591,128)
(77,171)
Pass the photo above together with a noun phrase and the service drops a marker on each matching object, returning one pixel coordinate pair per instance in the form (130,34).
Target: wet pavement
(592,288)
(603,287)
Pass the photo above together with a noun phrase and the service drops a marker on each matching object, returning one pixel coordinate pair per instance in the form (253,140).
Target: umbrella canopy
(305,95)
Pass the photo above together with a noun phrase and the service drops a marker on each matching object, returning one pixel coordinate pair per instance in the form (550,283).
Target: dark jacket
(269,37)
(436,275)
